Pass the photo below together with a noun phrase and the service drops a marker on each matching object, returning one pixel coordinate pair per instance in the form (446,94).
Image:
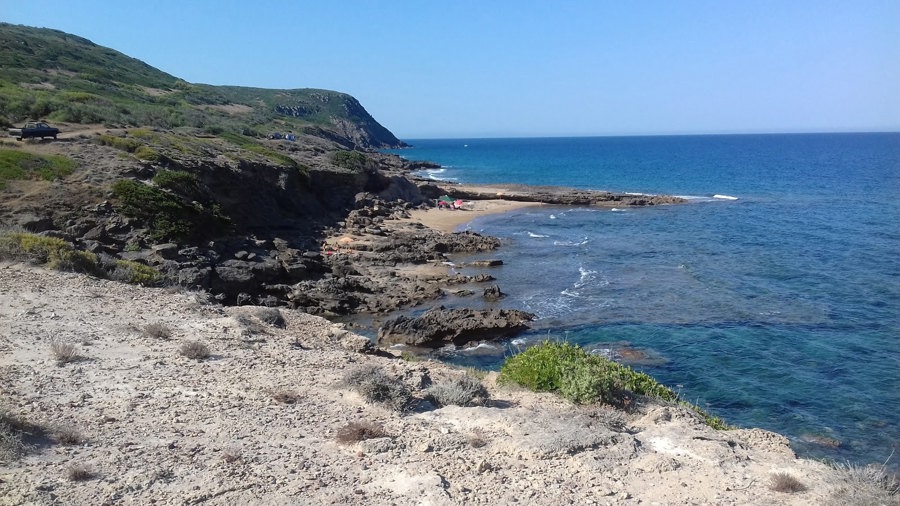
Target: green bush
(178,181)
(134,273)
(353,160)
(120,143)
(15,164)
(251,145)
(146,153)
(166,214)
(583,378)
(50,251)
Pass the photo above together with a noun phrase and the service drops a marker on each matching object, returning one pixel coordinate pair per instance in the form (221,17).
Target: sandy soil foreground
(132,421)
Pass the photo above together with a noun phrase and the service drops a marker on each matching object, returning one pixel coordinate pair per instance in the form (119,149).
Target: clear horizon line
(564,136)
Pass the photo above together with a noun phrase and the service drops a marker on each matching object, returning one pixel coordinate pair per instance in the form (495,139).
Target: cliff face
(346,116)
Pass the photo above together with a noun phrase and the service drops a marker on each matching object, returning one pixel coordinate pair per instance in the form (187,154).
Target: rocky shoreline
(267,417)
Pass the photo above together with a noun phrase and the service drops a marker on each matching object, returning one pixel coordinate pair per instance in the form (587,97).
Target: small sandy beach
(449,220)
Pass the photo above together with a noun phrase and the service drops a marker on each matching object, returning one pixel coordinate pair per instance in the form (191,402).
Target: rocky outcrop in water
(440,326)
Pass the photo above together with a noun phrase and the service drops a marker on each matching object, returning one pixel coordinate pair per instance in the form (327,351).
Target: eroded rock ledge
(440,326)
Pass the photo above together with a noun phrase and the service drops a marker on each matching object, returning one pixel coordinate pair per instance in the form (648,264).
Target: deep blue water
(779,310)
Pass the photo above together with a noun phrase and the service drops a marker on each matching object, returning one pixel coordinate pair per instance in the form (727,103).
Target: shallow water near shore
(772,299)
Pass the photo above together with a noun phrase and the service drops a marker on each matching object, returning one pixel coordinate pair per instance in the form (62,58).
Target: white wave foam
(724,197)
(477,347)
(617,210)
(532,234)
(552,216)
(583,242)
(436,174)
(587,276)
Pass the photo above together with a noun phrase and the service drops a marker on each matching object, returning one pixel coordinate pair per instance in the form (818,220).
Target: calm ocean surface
(778,307)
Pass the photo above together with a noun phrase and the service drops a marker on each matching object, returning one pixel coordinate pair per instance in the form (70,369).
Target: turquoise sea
(772,299)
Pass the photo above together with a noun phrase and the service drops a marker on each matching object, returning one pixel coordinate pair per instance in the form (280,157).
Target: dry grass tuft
(784,482)
(63,351)
(194,350)
(231,455)
(870,485)
(375,386)
(461,391)
(11,445)
(79,472)
(355,432)
(285,396)
(270,316)
(477,439)
(157,331)
(68,436)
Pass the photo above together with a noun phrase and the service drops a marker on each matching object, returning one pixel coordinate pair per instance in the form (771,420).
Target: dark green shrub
(353,160)
(178,181)
(166,214)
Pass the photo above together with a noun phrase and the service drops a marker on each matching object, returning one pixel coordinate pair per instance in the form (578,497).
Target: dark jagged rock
(493,293)
(440,326)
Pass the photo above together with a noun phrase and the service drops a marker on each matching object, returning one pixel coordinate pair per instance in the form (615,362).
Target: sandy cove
(159,428)
(449,220)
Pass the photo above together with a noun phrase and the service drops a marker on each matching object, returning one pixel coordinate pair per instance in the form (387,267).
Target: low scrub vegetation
(68,436)
(194,350)
(786,483)
(270,315)
(583,378)
(11,445)
(285,396)
(253,146)
(355,432)
(375,386)
(461,391)
(79,472)
(871,485)
(53,253)
(167,214)
(63,352)
(353,160)
(49,251)
(157,331)
(134,273)
(15,164)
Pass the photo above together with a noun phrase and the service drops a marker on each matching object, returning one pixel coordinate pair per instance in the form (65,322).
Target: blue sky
(528,68)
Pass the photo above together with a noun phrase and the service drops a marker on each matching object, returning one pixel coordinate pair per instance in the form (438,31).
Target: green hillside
(52,75)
